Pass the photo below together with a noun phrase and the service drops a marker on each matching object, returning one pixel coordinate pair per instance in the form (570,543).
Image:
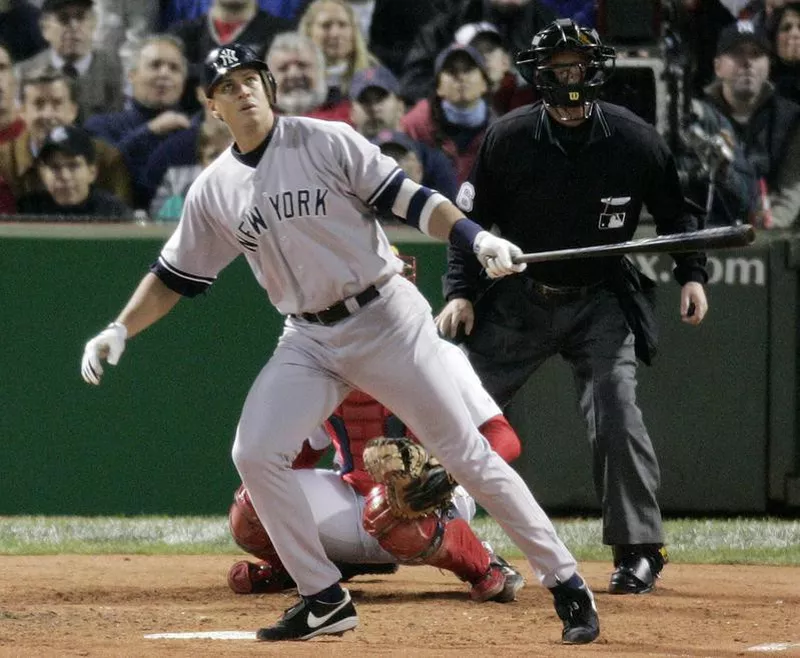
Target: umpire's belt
(340,310)
(563,294)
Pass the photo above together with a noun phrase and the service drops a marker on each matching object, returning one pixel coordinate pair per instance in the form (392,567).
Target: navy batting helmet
(564,35)
(225,59)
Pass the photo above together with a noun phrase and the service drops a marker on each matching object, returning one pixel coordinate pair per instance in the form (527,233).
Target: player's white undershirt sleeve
(380,183)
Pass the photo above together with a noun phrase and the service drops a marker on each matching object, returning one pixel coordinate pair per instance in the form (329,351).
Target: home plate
(208,635)
(775,646)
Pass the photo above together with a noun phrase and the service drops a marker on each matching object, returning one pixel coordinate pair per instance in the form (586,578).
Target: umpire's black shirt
(546,186)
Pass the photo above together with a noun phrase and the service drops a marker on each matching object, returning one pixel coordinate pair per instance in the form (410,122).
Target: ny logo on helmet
(228,57)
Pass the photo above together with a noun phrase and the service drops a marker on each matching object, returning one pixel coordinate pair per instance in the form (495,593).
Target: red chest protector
(357,420)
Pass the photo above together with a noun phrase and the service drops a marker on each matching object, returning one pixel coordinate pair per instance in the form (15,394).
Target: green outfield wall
(155,438)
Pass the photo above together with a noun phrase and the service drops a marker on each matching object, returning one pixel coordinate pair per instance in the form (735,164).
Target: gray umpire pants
(516,330)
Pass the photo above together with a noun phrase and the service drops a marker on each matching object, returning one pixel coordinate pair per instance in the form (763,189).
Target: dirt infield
(105,605)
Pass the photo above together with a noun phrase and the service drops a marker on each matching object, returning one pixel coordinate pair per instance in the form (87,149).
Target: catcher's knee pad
(409,540)
(246,529)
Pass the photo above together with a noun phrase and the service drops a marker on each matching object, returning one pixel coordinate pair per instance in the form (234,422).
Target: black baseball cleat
(513,584)
(574,604)
(637,566)
(311,617)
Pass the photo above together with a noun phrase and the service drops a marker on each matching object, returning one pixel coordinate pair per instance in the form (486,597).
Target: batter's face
(69,30)
(743,72)
(242,102)
(68,178)
(461,82)
(8,87)
(788,38)
(332,31)
(159,76)
(46,106)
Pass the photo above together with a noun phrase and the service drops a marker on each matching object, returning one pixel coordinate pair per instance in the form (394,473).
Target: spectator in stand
(48,101)
(67,166)
(377,110)
(212,139)
(784,35)
(8,204)
(227,21)
(509,89)
(157,79)
(332,25)
(395,26)
(19,29)
(765,123)
(516,21)
(68,26)
(298,66)
(710,153)
(11,123)
(456,116)
(122,24)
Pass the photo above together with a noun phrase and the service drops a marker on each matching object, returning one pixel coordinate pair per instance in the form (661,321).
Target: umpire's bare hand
(694,304)
(453,315)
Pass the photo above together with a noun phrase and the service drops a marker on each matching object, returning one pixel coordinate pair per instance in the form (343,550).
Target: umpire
(572,171)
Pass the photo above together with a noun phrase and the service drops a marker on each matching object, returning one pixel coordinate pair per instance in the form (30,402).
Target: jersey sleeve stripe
(416,205)
(174,280)
(425,215)
(407,191)
(185,275)
(383,197)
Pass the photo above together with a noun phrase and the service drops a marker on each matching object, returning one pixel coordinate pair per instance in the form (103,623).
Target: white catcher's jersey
(301,215)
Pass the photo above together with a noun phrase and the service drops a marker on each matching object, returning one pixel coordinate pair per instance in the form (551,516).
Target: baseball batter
(297,197)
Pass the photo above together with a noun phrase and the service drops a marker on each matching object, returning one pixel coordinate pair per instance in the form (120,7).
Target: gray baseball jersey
(300,208)
(298,217)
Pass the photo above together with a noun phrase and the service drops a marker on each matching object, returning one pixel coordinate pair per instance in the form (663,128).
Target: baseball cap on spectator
(49,6)
(472,34)
(402,140)
(70,140)
(375,76)
(742,31)
(454,49)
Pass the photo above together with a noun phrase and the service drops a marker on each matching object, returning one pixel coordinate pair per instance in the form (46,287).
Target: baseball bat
(727,237)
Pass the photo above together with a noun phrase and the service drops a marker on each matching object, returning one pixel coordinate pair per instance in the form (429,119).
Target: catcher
(389,502)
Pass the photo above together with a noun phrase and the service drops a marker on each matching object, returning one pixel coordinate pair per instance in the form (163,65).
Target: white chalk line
(774,646)
(206,635)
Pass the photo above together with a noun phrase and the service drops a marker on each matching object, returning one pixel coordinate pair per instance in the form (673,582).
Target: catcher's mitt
(416,484)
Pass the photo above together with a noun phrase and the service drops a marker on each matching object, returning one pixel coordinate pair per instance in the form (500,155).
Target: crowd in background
(102,109)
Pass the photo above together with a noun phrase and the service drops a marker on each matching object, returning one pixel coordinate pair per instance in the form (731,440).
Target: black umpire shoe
(574,604)
(636,568)
(311,617)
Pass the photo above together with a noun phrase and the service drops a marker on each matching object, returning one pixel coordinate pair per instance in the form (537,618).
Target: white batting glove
(496,254)
(109,344)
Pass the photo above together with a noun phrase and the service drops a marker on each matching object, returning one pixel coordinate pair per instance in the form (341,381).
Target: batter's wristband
(463,233)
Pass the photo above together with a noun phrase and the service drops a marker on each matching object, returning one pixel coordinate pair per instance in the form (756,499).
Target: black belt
(563,294)
(339,311)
